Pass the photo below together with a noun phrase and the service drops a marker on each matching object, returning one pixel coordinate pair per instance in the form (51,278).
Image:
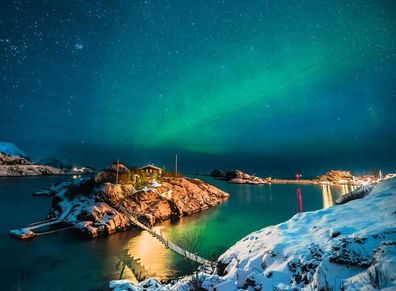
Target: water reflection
(327,196)
(90,263)
(346,188)
(299,200)
(151,254)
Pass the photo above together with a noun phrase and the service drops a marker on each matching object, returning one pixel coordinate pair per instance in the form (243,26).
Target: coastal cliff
(345,247)
(94,205)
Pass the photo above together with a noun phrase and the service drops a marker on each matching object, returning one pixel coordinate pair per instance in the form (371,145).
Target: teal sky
(250,81)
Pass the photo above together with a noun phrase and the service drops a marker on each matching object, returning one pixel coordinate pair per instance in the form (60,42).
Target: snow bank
(345,247)
(11,150)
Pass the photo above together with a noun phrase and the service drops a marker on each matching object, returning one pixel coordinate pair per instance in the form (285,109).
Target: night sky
(267,86)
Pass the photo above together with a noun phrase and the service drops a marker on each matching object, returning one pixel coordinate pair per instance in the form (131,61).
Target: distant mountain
(10,154)
(53,162)
(11,150)
(14,162)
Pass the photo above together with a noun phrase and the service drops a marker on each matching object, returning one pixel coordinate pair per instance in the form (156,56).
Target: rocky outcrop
(358,193)
(95,207)
(192,195)
(100,219)
(337,177)
(237,177)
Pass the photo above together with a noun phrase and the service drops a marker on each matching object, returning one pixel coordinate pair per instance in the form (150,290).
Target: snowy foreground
(345,247)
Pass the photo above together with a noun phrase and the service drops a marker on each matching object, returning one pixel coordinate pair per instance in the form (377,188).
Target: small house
(150,170)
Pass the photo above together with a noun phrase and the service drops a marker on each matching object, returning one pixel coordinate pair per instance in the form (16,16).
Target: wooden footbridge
(194,257)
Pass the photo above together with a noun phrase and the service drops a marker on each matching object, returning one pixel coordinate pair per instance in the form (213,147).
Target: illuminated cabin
(150,170)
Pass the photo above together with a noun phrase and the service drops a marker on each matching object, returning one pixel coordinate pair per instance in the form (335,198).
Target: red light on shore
(298,176)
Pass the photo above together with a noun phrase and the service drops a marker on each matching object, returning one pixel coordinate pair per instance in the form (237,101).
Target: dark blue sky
(268,86)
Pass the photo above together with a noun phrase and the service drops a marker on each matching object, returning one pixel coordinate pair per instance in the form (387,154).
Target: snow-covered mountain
(11,150)
(345,247)
(53,162)
(10,154)
(14,162)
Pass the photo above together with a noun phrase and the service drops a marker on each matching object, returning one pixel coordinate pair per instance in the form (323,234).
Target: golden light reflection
(151,254)
(344,189)
(326,196)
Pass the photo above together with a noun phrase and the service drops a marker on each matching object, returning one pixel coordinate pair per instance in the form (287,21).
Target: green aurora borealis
(222,78)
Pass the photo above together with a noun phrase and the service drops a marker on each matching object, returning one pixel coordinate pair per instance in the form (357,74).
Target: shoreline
(282,181)
(332,177)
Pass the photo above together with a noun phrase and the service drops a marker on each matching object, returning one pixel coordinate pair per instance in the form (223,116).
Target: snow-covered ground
(345,247)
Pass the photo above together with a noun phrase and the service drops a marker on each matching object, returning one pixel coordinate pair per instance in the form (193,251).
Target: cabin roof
(151,166)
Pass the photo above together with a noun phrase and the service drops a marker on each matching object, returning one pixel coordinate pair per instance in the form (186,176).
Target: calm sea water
(63,261)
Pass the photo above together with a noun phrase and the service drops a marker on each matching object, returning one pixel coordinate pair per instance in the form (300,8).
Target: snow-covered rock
(358,193)
(345,247)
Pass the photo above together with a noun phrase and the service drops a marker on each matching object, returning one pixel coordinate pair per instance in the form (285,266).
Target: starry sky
(267,86)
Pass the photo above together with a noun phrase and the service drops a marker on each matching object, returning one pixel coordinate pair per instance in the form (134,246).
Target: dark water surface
(63,261)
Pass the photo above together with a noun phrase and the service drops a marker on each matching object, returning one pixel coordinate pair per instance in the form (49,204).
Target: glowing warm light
(344,189)
(152,254)
(327,197)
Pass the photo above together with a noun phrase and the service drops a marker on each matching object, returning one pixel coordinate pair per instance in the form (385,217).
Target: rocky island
(101,205)
(237,177)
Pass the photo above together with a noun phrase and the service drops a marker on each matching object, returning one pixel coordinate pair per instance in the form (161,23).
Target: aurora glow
(266,81)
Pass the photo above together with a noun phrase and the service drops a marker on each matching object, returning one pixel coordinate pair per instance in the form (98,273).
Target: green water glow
(72,262)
